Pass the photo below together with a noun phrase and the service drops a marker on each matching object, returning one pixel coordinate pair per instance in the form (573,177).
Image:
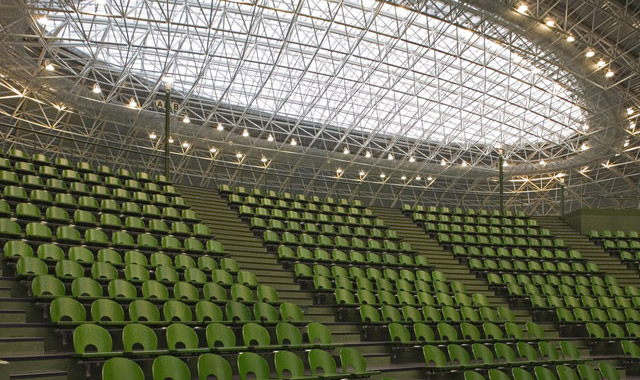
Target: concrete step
(23,344)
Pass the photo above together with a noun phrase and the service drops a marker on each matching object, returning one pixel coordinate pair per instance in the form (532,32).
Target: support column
(501,183)
(167,133)
(562,198)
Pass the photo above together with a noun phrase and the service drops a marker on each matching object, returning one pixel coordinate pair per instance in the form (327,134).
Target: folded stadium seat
(66,310)
(121,289)
(170,367)
(136,273)
(121,239)
(68,269)
(106,311)
(46,286)
(80,254)
(110,222)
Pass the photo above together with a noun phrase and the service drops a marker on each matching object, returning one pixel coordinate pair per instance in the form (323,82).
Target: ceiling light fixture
(367,154)
(49,66)
(245,133)
(96,89)
(609,74)
(429,178)
(339,171)
(270,137)
(220,127)
(505,164)
(404,177)
(543,162)
(629,111)
(418,178)
(571,38)
(584,146)
(601,63)
(362,173)
(153,136)
(632,125)
(345,150)
(168,81)
(590,53)
(626,143)
(133,103)
(170,140)
(294,142)
(550,23)
(186,119)
(464,164)
(263,159)
(390,157)
(443,162)
(185,145)
(585,127)
(522,8)
(213,150)
(238,155)
(382,175)
(412,159)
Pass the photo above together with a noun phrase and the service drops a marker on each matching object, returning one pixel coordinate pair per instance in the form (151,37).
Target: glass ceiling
(367,66)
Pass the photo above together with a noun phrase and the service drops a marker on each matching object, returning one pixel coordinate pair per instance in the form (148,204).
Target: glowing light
(404,177)
(133,103)
(505,164)
(523,8)
(185,145)
(153,136)
(367,154)
(629,111)
(220,127)
(339,171)
(418,178)
(543,162)
(270,137)
(601,63)
(632,125)
(412,159)
(464,164)
(49,66)
(43,21)
(294,142)
(170,140)
(213,150)
(362,173)
(382,175)
(590,53)
(238,155)
(584,146)
(571,38)
(443,162)
(245,133)
(626,143)
(60,107)
(585,127)
(96,89)
(345,150)
(550,23)
(609,74)
(390,157)
(263,159)
(168,81)
(186,119)
(429,178)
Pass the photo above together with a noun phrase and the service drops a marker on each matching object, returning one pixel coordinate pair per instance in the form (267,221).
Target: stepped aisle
(27,342)
(242,245)
(592,252)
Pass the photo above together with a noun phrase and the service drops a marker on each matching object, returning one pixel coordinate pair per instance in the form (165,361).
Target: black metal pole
(562,199)
(167,133)
(501,183)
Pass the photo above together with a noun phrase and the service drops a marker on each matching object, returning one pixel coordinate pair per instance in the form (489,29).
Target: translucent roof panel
(366,66)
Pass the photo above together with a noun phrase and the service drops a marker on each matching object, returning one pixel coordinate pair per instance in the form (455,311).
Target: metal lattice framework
(413,101)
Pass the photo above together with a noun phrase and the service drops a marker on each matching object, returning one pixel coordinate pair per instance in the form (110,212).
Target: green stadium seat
(121,369)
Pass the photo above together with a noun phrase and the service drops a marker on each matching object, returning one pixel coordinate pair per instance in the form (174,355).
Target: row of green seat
(530,266)
(319,255)
(558,298)
(46,177)
(287,238)
(408,209)
(551,279)
(564,372)
(46,286)
(251,201)
(346,297)
(226,190)
(183,339)
(69,311)
(65,234)
(581,315)
(371,315)
(433,228)
(506,253)
(311,228)
(26,212)
(614,331)
(89,199)
(617,235)
(60,214)
(477,221)
(16,155)
(465,332)
(250,365)
(497,241)
(247,212)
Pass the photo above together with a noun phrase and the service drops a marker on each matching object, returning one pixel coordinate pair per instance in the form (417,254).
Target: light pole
(500,183)
(168,81)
